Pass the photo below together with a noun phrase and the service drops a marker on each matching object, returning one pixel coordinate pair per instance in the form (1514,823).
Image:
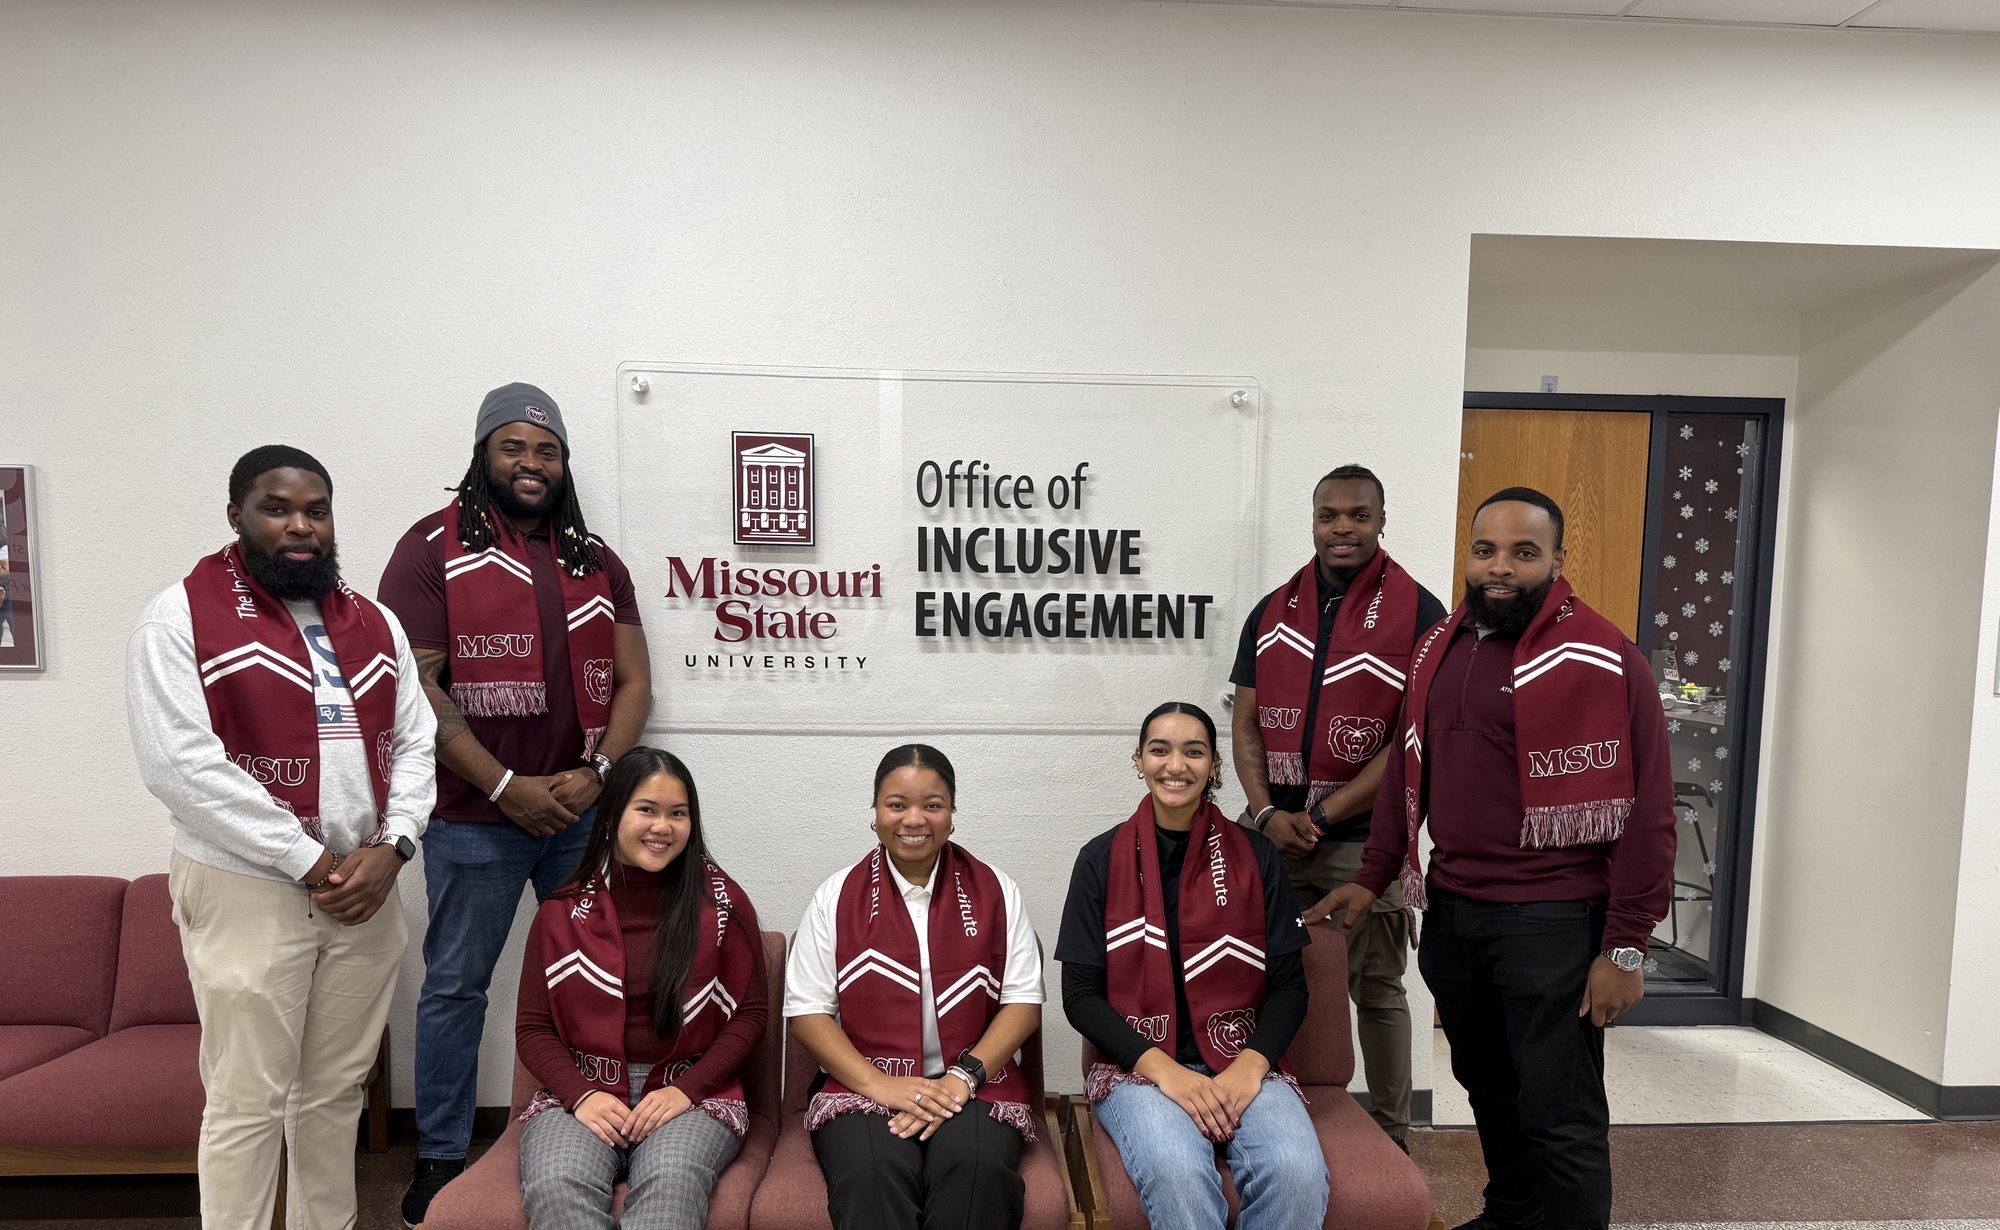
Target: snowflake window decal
(1722,753)
(1694,764)
(1701,576)
(1729,514)
(1687,510)
(1659,619)
(1673,726)
(1715,629)
(1729,578)
(1710,486)
(1692,657)
(1687,432)
(1715,787)
(1742,450)
(1668,562)
(1687,610)
(1701,545)
(1687,472)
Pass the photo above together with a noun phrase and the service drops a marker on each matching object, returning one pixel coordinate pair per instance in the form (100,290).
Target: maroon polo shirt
(1473,790)
(536,746)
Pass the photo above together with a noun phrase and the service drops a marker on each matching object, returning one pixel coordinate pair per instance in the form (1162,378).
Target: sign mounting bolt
(639,386)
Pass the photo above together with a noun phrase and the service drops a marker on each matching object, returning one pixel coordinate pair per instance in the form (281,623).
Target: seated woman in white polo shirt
(914,1016)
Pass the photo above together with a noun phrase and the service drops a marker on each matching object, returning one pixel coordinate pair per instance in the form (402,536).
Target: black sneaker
(431,1175)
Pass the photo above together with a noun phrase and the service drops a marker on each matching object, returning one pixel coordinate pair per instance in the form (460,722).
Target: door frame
(1722,1003)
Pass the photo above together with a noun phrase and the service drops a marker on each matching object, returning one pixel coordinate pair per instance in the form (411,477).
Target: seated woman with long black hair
(642,994)
(1180,950)
(913,980)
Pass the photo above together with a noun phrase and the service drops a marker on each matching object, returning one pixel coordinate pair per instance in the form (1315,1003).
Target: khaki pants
(292,1007)
(1378,953)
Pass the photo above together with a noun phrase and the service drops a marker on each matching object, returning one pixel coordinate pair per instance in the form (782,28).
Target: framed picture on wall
(20,579)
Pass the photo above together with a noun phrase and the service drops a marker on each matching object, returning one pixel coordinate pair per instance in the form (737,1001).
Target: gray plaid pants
(567,1174)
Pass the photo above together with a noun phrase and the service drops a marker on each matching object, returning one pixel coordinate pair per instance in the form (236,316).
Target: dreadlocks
(577,554)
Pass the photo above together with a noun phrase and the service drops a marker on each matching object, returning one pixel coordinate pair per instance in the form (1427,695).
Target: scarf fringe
(591,738)
(488,700)
(1320,792)
(732,1113)
(1575,824)
(1285,768)
(543,1100)
(828,1106)
(1104,1077)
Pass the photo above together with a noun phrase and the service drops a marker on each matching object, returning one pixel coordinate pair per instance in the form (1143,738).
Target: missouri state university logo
(1356,739)
(1272,718)
(774,487)
(535,414)
(1152,1028)
(1229,1032)
(497,645)
(1562,761)
(597,679)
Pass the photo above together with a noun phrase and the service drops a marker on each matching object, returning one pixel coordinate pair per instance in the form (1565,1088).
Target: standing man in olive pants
(1320,673)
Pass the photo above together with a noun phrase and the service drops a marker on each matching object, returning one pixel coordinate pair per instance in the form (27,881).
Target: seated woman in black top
(1182,968)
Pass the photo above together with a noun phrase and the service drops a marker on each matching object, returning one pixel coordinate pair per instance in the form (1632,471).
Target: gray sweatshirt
(222,816)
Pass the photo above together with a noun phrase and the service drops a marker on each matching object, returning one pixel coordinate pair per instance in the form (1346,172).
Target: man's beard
(1510,618)
(293,580)
(513,506)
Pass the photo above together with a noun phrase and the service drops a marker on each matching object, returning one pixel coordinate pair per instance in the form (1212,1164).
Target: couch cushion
(153,986)
(24,1046)
(61,955)
(139,1088)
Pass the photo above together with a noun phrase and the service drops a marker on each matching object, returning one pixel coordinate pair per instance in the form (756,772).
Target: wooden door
(1593,464)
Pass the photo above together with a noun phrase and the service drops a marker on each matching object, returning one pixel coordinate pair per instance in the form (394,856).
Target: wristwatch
(1627,959)
(969,1064)
(603,764)
(405,847)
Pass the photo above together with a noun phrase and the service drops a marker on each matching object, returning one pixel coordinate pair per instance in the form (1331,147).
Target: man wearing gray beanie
(526,633)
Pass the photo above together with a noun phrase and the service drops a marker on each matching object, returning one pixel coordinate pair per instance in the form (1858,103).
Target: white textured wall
(338,224)
(1868,761)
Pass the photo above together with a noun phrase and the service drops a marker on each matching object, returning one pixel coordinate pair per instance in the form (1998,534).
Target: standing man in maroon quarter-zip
(1533,740)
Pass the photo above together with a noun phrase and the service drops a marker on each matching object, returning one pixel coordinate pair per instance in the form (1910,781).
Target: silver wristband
(501,789)
(1263,817)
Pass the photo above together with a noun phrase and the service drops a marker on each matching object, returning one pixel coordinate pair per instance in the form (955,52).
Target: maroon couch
(488,1195)
(793,1195)
(1375,1186)
(98,1033)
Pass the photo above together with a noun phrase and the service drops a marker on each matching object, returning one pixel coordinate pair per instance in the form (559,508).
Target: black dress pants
(966,1175)
(1508,979)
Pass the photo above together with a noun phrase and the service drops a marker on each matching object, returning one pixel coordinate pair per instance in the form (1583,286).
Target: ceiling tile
(1563,8)
(1783,12)
(1934,15)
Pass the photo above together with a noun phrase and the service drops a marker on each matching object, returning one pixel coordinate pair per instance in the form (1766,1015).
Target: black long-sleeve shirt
(1081,950)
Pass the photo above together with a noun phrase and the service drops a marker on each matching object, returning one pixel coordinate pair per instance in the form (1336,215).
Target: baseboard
(1938,1101)
(488,1122)
(1420,1105)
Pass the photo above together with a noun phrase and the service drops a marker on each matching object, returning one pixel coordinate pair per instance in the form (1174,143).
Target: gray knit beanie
(519,403)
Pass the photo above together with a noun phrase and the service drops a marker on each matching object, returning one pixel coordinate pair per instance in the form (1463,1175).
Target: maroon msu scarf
(880,988)
(1222,941)
(1571,725)
(586,982)
(490,613)
(1359,689)
(258,680)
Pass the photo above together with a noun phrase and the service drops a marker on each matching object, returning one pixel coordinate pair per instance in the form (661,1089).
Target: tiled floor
(1706,1075)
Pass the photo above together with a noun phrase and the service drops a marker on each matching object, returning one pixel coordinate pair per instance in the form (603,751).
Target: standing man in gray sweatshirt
(279,716)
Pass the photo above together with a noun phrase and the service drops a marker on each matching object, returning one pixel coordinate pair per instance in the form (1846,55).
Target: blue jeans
(1275,1159)
(473,876)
